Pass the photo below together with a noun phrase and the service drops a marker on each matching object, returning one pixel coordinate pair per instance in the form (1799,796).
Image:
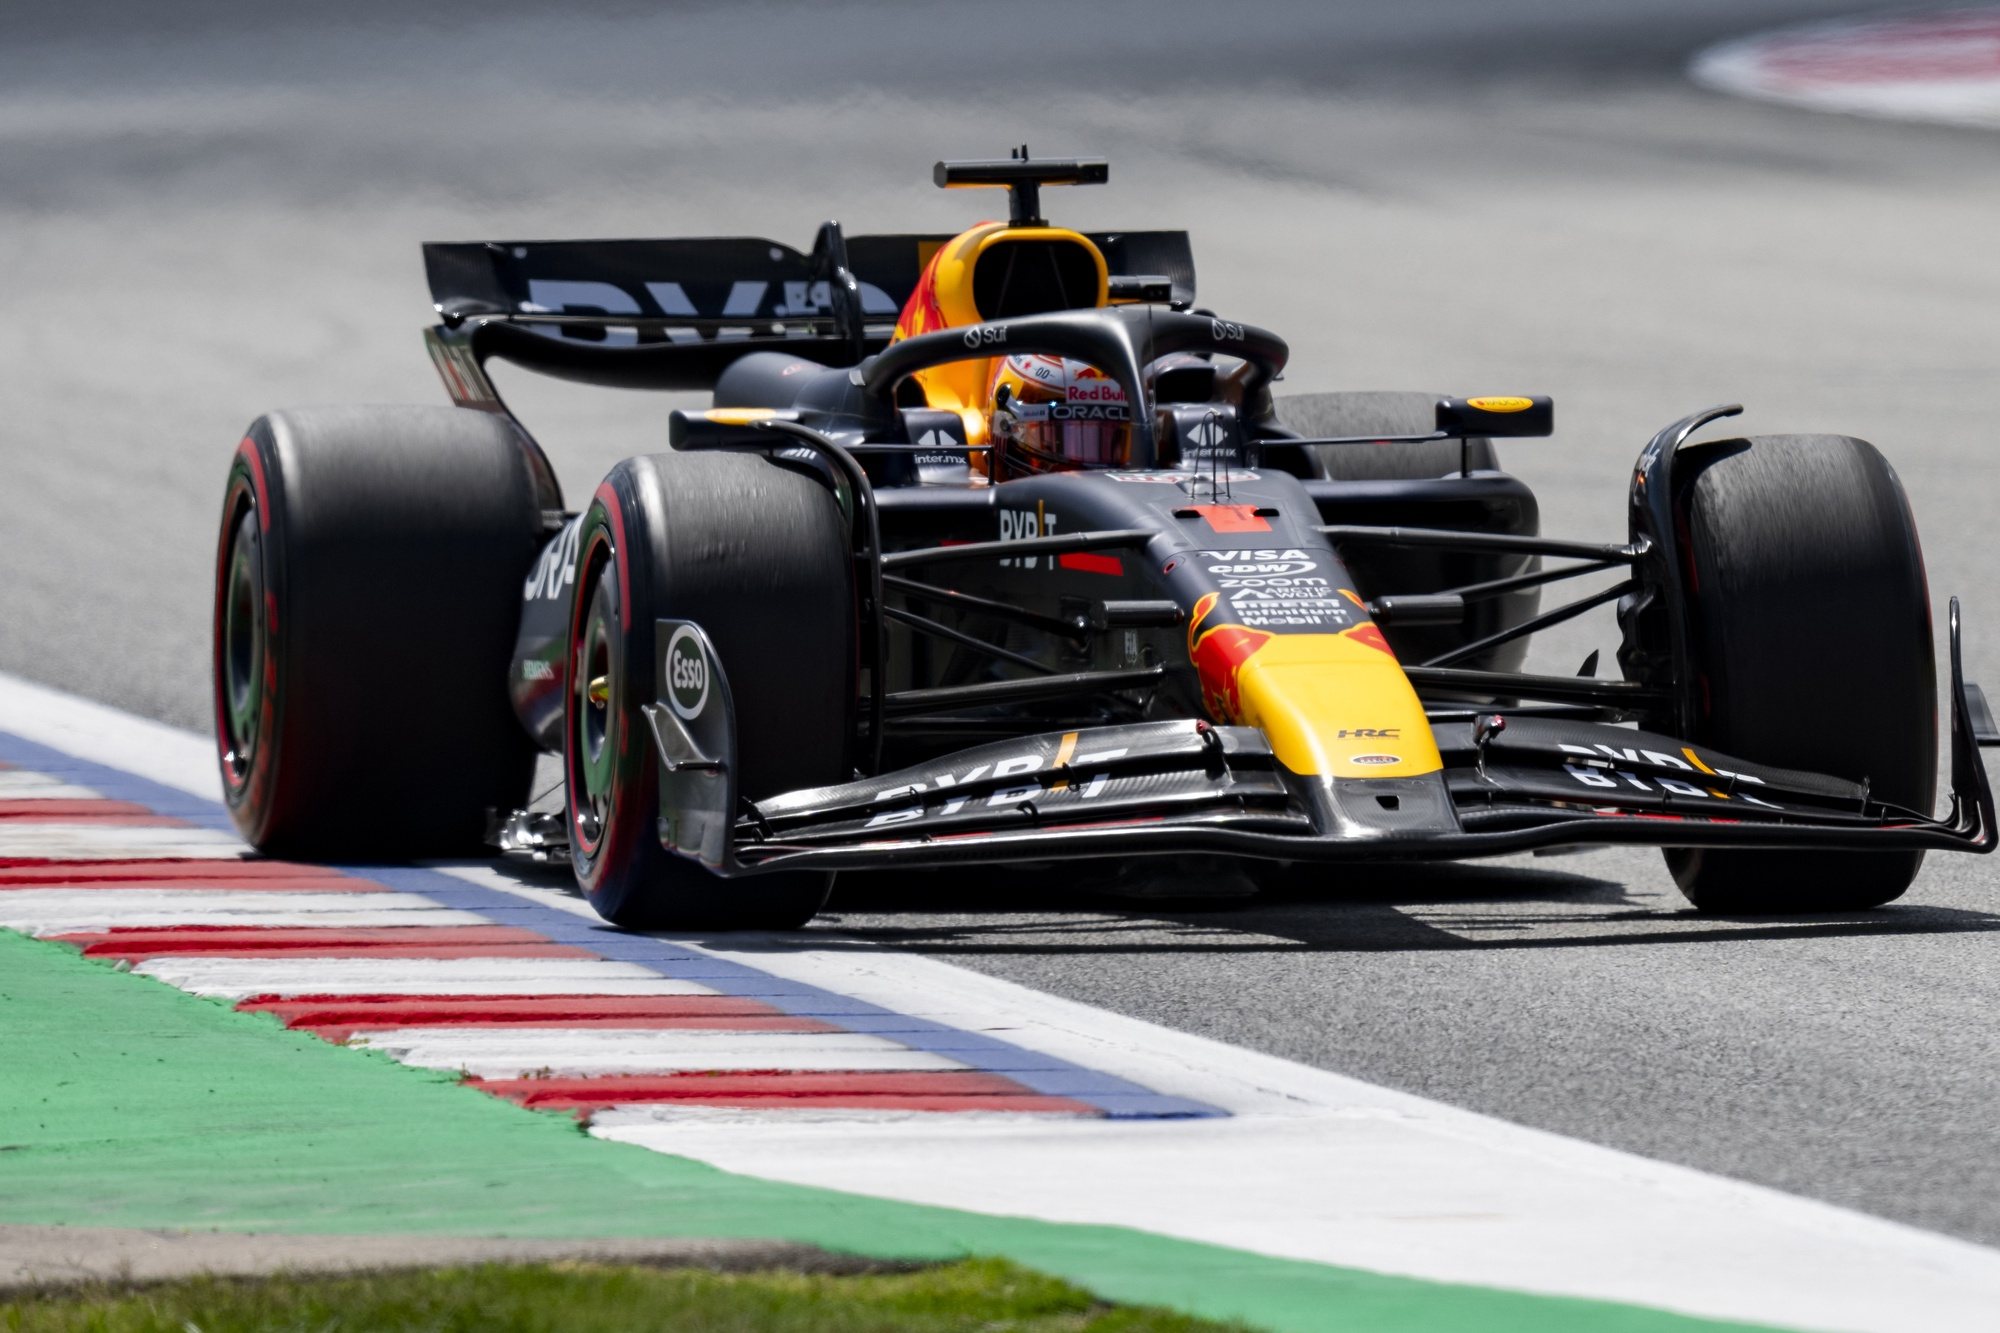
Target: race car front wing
(1510,782)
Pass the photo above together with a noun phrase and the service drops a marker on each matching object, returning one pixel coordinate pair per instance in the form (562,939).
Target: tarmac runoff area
(1228,1183)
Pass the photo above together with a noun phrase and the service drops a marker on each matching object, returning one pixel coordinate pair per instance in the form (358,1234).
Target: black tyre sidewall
(392,546)
(253,794)
(685,538)
(1811,648)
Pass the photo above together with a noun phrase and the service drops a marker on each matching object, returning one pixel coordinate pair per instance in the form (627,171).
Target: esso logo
(687,674)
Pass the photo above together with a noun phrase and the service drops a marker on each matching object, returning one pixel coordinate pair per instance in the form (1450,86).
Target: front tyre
(757,554)
(1810,622)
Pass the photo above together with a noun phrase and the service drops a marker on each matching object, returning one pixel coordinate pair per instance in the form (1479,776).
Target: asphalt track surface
(207,211)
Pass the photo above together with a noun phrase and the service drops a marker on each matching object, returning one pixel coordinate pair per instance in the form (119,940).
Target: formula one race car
(994,548)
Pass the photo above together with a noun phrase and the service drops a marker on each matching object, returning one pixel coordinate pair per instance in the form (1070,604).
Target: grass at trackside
(126,1103)
(980,1294)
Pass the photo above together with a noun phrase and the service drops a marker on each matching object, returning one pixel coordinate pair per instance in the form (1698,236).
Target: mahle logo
(687,673)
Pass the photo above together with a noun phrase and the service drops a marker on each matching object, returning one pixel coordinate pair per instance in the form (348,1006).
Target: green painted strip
(124,1102)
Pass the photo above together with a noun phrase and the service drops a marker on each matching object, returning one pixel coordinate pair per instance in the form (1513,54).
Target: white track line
(800,1112)
(57,911)
(235,978)
(89,730)
(1312,1165)
(1321,1167)
(511,1053)
(19,785)
(53,841)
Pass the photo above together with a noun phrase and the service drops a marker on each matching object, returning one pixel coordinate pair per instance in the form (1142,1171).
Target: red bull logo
(1371,635)
(1218,655)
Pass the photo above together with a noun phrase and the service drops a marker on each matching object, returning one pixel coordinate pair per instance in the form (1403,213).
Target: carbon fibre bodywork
(1219,648)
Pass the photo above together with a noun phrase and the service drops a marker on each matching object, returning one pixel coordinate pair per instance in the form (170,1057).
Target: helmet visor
(1090,435)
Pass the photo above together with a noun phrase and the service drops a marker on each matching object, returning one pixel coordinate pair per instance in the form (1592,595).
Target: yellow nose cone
(1336,705)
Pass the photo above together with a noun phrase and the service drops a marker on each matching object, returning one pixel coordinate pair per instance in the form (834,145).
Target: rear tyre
(757,554)
(1811,648)
(367,592)
(1380,413)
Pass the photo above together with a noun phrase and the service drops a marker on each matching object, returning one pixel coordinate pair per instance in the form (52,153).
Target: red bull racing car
(996,547)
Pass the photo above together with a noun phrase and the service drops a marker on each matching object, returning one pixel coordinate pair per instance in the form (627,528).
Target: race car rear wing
(673,314)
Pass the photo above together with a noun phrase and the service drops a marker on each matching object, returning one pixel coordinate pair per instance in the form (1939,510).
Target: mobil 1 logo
(686,673)
(1283,588)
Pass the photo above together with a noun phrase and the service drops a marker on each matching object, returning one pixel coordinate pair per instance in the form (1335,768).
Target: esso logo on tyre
(687,674)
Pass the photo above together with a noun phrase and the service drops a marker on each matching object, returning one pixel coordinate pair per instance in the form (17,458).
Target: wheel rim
(243,647)
(594,684)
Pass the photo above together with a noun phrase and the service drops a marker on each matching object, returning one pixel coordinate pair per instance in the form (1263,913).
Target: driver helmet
(1052,414)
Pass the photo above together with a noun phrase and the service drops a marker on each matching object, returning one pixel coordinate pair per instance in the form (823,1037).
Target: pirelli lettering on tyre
(687,674)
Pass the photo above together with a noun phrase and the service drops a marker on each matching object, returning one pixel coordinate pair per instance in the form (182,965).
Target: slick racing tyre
(367,589)
(1380,413)
(1811,648)
(755,552)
